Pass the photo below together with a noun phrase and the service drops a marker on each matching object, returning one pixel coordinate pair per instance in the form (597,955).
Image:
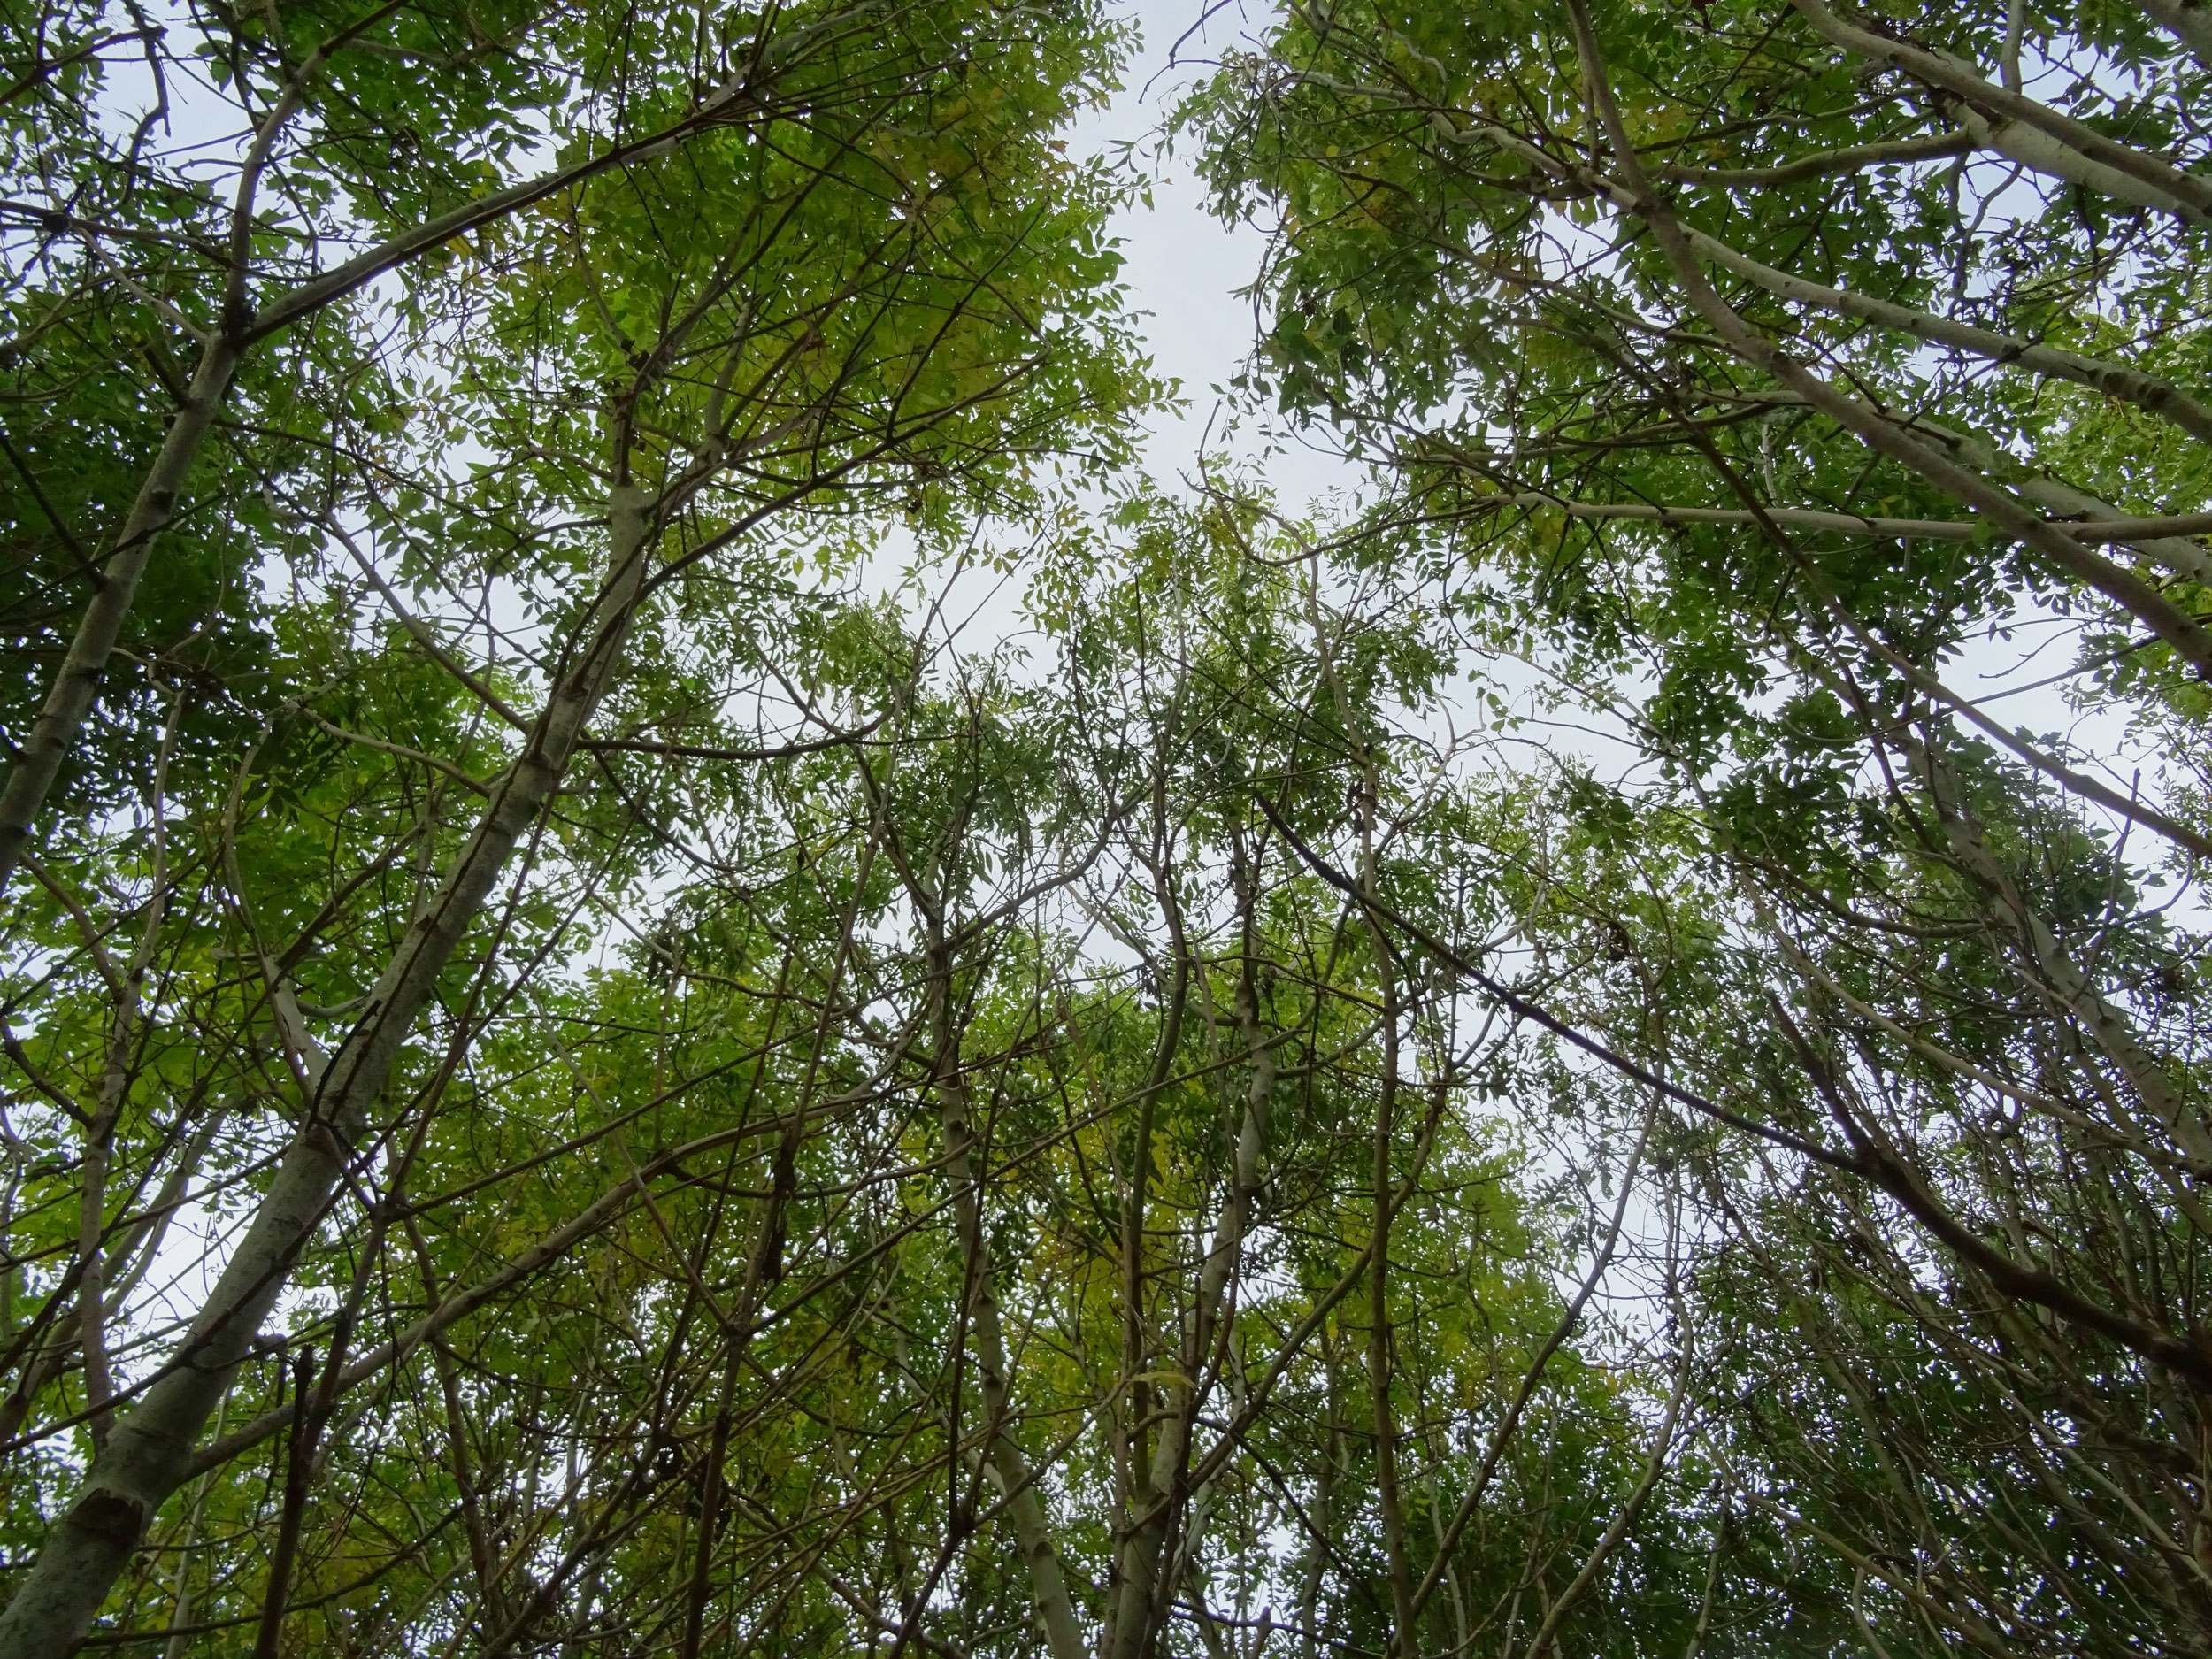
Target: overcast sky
(1183,266)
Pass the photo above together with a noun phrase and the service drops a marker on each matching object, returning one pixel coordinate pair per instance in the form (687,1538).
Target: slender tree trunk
(149,1450)
(299,1457)
(69,700)
(1008,1468)
(77,684)
(1387,1501)
(1139,1592)
(2054,974)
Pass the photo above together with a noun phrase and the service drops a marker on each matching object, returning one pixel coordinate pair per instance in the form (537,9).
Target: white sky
(1184,266)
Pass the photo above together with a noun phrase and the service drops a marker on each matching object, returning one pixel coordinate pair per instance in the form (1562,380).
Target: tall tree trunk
(149,1450)
(76,685)
(1009,1467)
(1140,1591)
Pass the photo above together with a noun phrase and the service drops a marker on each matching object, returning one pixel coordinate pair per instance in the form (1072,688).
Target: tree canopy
(682,972)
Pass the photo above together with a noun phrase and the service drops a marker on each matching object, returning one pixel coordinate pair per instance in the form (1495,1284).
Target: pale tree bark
(1140,1592)
(149,1450)
(1852,158)
(2040,151)
(2052,972)
(76,689)
(1885,433)
(2028,132)
(181,1607)
(76,685)
(2146,392)
(1796,518)
(1881,433)
(2098,518)
(2188,21)
(1008,1466)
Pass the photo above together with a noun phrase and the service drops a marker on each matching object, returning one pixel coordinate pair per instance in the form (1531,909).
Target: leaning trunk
(149,1450)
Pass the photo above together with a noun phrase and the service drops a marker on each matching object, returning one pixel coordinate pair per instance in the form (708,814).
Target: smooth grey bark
(76,685)
(2166,543)
(1139,1591)
(1003,1458)
(2031,132)
(70,700)
(2040,151)
(1794,517)
(1851,159)
(1633,195)
(150,1451)
(1883,433)
(1880,431)
(2187,22)
(2146,392)
(2178,553)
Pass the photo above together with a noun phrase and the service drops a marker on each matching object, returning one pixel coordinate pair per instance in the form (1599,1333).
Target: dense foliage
(1598,1051)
